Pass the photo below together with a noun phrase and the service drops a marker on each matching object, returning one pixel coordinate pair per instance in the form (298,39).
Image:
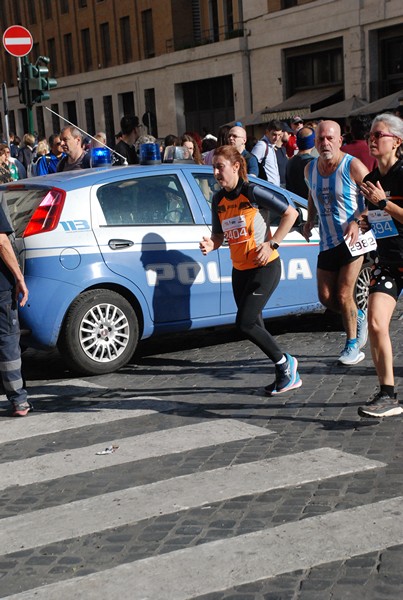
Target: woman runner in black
(240,214)
(383,189)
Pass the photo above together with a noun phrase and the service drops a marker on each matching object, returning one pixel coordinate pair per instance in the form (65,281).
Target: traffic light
(39,81)
(34,81)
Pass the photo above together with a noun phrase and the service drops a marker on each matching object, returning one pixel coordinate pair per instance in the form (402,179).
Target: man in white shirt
(265,152)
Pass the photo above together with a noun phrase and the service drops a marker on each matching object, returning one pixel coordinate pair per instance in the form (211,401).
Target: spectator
(72,145)
(5,175)
(41,150)
(358,147)
(237,137)
(14,145)
(289,140)
(130,127)
(17,169)
(294,175)
(99,140)
(291,144)
(222,140)
(265,153)
(48,163)
(188,142)
(282,159)
(171,140)
(26,152)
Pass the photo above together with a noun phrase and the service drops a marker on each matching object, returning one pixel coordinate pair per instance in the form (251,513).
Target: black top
(129,152)
(390,250)
(282,160)
(294,175)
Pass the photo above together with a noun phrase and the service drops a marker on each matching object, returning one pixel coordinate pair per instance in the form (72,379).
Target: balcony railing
(207,36)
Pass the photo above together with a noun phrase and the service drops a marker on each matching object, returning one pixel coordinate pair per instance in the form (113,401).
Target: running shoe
(351,355)
(380,406)
(362,328)
(287,377)
(21,410)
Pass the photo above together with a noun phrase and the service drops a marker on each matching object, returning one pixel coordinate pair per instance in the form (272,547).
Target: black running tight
(252,288)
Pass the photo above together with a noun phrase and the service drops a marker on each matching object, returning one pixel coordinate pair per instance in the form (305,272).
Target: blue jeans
(10,352)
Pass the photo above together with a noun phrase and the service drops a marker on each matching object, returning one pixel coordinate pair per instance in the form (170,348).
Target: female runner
(383,189)
(240,214)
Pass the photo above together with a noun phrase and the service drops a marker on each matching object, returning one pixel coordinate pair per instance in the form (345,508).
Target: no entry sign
(17,41)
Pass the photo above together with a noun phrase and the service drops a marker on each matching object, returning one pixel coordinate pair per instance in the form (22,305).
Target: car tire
(361,291)
(99,334)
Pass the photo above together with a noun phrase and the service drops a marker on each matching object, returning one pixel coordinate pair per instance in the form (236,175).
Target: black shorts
(387,279)
(335,258)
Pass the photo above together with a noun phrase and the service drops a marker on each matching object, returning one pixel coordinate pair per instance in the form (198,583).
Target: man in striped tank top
(334,196)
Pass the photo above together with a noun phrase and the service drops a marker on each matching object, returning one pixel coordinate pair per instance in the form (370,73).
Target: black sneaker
(381,405)
(287,377)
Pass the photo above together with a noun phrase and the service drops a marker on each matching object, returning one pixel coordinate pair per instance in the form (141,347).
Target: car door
(297,290)
(148,228)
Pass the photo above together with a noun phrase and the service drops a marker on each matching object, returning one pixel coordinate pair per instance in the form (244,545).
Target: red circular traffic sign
(17,41)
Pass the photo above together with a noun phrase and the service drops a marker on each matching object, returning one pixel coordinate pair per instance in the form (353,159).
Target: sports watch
(274,245)
(382,203)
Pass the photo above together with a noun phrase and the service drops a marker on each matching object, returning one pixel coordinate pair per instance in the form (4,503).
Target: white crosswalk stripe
(211,566)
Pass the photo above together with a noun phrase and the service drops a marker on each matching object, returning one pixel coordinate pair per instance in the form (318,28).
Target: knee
(243,325)
(377,326)
(324,298)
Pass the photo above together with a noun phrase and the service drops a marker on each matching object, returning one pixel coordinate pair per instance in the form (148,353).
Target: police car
(111,256)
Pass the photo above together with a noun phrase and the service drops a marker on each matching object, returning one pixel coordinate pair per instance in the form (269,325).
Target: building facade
(196,64)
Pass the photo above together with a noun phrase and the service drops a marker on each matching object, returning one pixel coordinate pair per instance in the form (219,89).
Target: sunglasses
(377,135)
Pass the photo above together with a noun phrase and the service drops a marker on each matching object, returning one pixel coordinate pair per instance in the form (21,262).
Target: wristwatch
(274,245)
(382,203)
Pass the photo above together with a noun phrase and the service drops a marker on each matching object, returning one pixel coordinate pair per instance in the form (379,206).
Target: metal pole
(5,107)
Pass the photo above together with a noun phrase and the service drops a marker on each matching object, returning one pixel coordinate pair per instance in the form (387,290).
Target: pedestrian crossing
(211,566)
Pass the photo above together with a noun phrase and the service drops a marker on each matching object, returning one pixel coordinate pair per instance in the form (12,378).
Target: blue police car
(111,256)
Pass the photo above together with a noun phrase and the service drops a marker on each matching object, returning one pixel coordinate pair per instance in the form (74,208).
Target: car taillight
(46,216)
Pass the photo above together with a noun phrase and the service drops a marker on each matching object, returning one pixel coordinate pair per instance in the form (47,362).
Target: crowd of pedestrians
(353,183)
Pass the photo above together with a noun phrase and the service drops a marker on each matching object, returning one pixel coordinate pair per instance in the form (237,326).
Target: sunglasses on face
(377,135)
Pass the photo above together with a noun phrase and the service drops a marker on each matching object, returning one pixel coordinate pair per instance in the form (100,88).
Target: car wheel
(362,287)
(100,333)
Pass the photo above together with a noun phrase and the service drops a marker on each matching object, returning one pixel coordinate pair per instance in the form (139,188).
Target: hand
(21,290)
(306,230)
(263,252)
(352,232)
(373,193)
(206,245)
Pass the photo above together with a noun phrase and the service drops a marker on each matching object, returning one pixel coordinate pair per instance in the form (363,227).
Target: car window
(207,184)
(156,200)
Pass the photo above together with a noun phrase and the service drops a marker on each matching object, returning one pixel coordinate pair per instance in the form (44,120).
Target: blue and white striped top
(337,199)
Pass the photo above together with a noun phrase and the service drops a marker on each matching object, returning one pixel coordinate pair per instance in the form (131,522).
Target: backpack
(262,172)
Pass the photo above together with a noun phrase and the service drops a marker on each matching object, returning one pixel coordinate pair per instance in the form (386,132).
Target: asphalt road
(211,490)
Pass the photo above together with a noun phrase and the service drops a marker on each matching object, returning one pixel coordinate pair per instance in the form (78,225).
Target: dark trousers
(10,352)
(252,289)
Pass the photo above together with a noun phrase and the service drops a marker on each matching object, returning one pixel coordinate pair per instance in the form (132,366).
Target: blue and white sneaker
(362,328)
(287,377)
(351,355)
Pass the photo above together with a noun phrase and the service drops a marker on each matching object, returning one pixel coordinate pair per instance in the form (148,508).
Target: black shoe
(287,377)
(381,405)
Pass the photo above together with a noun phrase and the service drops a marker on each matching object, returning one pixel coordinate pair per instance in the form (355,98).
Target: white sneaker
(362,329)
(351,355)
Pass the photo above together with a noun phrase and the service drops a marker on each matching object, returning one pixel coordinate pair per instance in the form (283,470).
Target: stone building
(196,64)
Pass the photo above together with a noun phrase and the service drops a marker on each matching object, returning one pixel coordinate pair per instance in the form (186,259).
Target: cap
(286,127)
(296,119)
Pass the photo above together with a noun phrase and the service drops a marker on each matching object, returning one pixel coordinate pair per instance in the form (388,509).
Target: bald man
(237,137)
(334,180)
